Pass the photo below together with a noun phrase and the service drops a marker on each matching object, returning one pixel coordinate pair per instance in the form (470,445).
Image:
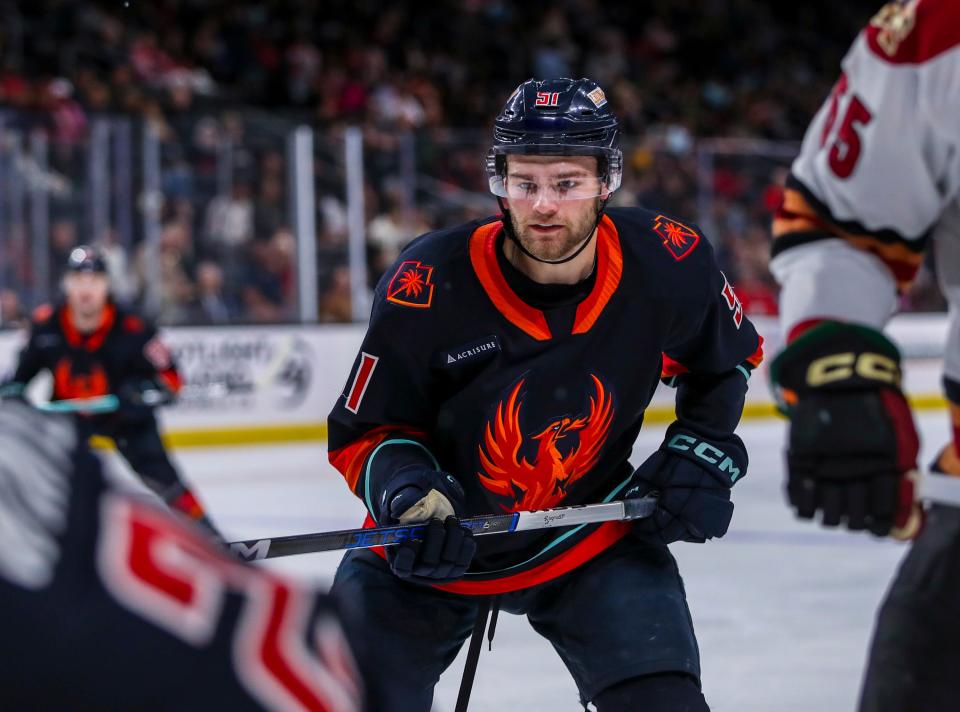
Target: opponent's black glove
(417,494)
(852,446)
(693,476)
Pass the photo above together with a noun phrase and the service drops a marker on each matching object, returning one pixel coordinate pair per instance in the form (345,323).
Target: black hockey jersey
(123,348)
(532,406)
(110,602)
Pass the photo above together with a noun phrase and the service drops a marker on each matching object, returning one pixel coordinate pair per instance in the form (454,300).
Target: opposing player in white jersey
(875,186)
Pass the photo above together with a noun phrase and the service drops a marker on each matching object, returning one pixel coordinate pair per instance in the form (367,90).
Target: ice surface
(782,609)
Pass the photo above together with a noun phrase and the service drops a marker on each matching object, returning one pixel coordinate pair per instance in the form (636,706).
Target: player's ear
(603,175)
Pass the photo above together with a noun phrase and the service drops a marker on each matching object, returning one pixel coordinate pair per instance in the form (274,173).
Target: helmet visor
(562,173)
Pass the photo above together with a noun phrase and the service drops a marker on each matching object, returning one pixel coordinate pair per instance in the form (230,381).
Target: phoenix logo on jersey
(567,448)
(68,384)
(677,237)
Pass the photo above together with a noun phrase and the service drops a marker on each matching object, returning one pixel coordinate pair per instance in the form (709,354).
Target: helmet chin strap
(511,233)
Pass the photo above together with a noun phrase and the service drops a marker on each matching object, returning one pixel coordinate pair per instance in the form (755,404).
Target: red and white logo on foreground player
(733,301)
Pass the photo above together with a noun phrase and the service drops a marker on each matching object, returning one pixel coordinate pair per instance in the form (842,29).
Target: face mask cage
(609,172)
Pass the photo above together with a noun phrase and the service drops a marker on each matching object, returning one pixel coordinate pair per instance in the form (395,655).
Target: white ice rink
(783,610)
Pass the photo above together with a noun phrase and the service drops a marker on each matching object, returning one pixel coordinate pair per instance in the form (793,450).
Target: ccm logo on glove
(839,367)
(707,452)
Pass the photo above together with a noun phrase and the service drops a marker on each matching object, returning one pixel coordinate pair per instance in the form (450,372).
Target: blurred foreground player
(109,602)
(877,183)
(93,347)
(507,366)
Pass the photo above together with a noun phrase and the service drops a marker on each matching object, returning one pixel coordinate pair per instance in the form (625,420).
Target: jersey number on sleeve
(164,574)
(846,146)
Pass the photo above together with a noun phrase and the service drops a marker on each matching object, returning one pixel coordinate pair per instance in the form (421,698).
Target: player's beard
(565,242)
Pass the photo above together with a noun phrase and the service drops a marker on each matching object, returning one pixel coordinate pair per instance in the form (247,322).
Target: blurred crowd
(220,85)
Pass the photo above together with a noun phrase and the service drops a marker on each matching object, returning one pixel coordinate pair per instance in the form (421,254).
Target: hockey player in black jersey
(93,347)
(507,366)
(111,603)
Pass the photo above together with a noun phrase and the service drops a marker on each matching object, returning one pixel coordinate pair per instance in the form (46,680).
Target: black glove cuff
(836,356)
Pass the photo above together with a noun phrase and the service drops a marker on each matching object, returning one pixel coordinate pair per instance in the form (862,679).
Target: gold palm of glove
(433,505)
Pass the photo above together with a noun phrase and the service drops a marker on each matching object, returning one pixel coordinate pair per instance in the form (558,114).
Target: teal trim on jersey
(745,372)
(366,476)
(560,539)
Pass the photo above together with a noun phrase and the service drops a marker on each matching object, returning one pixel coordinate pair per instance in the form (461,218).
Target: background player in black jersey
(507,366)
(111,603)
(93,347)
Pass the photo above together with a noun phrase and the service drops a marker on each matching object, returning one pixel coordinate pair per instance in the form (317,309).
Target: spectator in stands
(63,238)
(303,61)
(11,310)
(210,303)
(270,209)
(267,290)
(169,272)
(391,231)
(192,70)
(123,283)
(228,226)
(335,302)
(69,122)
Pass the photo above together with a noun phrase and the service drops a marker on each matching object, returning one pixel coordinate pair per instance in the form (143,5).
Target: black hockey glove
(140,397)
(416,494)
(693,476)
(852,445)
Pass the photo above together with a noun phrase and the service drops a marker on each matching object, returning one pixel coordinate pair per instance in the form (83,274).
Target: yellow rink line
(236,437)
(317,432)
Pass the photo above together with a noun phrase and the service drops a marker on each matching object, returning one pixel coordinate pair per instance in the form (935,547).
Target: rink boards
(263,384)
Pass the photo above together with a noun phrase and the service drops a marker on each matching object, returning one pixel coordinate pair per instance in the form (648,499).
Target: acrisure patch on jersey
(477,350)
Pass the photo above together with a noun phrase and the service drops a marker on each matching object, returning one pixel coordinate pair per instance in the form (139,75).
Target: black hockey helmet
(564,117)
(84,258)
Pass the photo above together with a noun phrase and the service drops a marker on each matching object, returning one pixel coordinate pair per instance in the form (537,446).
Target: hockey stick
(940,489)
(101,404)
(626,510)
(150,397)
